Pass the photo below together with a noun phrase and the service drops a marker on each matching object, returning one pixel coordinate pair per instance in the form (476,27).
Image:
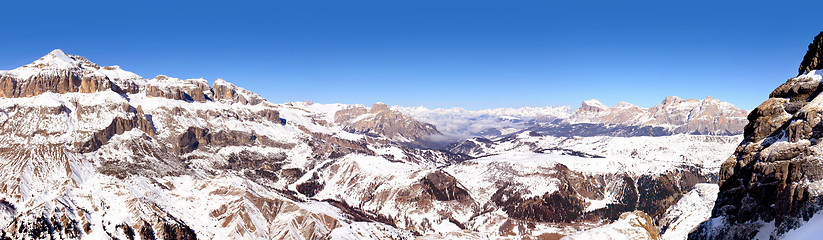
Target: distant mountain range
(673,115)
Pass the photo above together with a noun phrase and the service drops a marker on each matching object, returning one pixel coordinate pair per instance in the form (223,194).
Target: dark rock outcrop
(658,193)
(563,205)
(119,126)
(195,137)
(444,187)
(812,59)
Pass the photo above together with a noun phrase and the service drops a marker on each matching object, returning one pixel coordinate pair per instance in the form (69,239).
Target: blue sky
(471,54)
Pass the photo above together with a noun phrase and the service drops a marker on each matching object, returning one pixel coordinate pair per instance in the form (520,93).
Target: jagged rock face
(772,183)
(674,115)
(812,59)
(381,120)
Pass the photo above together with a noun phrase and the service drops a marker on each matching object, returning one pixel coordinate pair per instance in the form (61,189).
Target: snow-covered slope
(631,225)
(694,208)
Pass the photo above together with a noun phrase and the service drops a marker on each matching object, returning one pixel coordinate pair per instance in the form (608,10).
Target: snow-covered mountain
(673,115)
(99,152)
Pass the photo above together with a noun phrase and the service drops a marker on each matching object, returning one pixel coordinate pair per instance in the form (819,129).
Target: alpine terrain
(96,152)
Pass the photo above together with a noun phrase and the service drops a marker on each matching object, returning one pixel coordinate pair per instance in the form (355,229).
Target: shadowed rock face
(560,206)
(119,126)
(652,194)
(659,192)
(773,172)
(812,59)
(194,138)
(444,187)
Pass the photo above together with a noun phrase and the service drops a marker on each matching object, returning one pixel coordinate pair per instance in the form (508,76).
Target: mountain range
(97,152)
(672,116)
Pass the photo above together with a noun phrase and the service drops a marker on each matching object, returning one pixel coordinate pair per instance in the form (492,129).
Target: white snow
(691,210)
(630,225)
(222,82)
(813,229)
(595,103)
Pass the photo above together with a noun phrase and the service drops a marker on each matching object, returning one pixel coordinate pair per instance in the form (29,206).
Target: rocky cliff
(774,183)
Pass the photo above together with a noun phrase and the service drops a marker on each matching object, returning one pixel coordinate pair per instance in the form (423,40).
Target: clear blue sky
(472,54)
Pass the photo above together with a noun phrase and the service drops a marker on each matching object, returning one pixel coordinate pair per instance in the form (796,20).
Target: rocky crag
(773,183)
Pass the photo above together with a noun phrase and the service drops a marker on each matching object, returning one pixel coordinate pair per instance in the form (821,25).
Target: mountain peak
(624,105)
(379,107)
(220,81)
(671,100)
(57,52)
(56,59)
(595,103)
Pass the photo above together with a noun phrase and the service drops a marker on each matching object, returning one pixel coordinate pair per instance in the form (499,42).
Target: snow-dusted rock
(772,183)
